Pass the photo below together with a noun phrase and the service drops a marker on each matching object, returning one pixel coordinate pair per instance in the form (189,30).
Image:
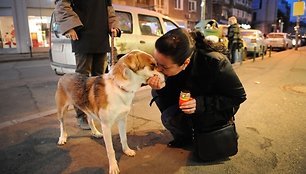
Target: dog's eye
(152,66)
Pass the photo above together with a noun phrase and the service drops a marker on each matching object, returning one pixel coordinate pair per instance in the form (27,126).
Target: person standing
(88,24)
(192,64)
(235,42)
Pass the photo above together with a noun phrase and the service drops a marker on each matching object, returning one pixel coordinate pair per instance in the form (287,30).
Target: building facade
(24,25)
(223,9)
(271,15)
(185,12)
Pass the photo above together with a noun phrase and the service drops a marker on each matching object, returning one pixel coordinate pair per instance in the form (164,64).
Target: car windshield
(275,36)
(248,33)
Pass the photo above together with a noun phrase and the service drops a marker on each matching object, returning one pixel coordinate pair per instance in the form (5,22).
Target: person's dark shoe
(83,124)
(179,143)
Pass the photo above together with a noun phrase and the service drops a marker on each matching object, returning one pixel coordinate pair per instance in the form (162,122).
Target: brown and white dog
(106,98)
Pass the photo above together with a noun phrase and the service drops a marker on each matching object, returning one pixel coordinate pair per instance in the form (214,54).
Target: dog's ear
(127,73)
(132,61)
(119,72)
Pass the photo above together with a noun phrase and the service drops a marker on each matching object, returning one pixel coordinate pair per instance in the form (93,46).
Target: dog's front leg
(107,136)
(122,133)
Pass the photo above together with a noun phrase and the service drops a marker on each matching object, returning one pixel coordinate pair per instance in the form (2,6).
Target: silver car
(255,41)
(279,41)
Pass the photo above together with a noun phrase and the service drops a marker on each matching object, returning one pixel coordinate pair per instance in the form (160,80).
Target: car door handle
(142,42)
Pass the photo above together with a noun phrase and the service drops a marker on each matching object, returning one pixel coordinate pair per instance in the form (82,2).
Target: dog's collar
(121,87)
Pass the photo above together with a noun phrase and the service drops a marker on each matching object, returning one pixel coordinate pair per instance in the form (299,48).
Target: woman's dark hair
(177,44)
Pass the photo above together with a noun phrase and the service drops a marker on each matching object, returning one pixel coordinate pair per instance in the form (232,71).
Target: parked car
(279,41)
(216,32)
(294,41)
(140,29)
(255,41)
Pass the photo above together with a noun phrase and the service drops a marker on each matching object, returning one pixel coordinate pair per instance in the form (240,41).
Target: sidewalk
(29,146)
(23,56)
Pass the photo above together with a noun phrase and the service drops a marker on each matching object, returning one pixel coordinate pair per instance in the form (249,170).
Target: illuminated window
(7,32)
(39,30)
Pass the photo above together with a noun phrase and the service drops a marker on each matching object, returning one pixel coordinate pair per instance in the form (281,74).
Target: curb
(5,58)
(27,118)
(44,114)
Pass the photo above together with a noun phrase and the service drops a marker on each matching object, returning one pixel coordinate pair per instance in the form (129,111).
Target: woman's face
(167,66)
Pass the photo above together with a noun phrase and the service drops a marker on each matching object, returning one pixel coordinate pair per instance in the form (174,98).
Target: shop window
(39,30)
(7,32)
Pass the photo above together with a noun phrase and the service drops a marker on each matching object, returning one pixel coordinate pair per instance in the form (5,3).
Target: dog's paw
(62,141)
(114,169)
(97,134)
(130,152)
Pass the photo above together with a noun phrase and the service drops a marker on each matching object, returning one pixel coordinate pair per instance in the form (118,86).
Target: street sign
(298,8)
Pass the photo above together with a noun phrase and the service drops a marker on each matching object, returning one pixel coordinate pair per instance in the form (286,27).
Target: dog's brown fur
(106,98)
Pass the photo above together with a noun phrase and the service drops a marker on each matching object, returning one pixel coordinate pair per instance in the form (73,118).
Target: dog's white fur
(106,98)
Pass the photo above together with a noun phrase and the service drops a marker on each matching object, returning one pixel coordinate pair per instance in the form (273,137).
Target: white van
(140,29)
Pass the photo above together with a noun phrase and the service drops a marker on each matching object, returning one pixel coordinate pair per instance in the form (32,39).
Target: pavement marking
(27,118)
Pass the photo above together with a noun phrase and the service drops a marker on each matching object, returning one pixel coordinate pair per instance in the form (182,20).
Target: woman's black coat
(213,83)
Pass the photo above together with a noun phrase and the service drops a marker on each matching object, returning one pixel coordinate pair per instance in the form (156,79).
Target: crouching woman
(195,65)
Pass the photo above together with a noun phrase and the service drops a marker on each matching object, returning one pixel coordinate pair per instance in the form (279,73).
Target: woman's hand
(189,107)
(155,82)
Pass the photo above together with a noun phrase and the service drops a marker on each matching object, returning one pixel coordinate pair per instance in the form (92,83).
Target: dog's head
(136,63)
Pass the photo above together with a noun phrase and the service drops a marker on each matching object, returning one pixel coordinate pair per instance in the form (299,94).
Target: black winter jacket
(213,83)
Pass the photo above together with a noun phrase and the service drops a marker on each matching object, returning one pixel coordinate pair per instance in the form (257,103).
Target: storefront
(7,32)
(24,25)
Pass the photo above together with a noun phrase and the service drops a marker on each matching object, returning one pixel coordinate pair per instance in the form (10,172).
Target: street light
(281,25)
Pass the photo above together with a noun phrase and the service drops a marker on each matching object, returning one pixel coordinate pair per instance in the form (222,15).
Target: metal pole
(203,5)
(241,55)
(254,54)
(270,50)
(297,31)
(262,51)
(31,53)
(112,50)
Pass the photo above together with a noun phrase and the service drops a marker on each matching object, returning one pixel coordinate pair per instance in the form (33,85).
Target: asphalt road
(271,125)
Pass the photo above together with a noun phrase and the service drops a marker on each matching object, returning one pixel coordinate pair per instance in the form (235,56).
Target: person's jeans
(90,65)
(178,123)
